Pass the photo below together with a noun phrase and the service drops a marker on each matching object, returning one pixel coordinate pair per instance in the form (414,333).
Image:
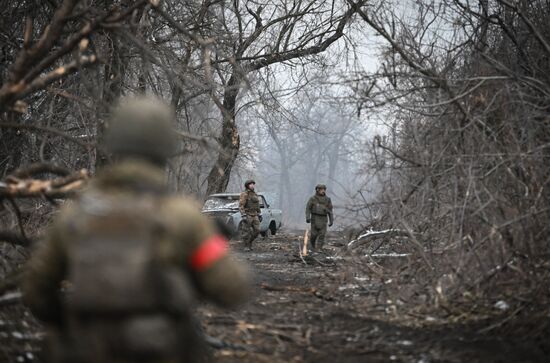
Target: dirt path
(335,312)
(315,313)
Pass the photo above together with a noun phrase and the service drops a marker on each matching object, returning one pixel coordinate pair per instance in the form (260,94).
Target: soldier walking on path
(131,256)
(249,206)
(318,212)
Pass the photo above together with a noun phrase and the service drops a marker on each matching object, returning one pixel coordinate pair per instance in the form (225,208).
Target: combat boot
(320,245)
(313,245)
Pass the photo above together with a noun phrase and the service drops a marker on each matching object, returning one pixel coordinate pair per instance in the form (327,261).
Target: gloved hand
(308,220)
(260,218)
(244,217)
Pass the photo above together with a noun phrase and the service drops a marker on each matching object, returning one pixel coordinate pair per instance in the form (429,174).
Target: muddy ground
(332,308)
(326,310)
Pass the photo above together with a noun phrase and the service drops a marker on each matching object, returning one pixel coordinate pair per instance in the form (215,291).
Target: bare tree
(468,86)
(268,34)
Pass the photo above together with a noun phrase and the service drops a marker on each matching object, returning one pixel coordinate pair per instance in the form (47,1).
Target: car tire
(273,228)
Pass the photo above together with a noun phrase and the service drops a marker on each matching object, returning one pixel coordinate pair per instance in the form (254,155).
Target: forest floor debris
(308,312)
(344,309)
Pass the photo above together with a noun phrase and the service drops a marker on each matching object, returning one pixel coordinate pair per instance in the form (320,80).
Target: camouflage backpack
(116,264)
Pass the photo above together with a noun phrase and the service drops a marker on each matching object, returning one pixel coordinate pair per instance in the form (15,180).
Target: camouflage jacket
(249,203)
(319,205)
(185,241)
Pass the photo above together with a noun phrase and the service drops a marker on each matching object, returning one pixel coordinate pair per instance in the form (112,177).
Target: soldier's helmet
(320,186)
(248,182)
(141,127)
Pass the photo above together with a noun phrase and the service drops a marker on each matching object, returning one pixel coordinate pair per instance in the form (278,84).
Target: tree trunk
(333,158)
(285,186)
(112,90)
(229,140)
(314,176)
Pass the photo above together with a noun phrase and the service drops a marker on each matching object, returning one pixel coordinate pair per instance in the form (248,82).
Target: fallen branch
(371,235)
(288,288)
(321,263)
(311,290)
(10,298)
(34,188)
(273,331)
(217,343)
(502,322)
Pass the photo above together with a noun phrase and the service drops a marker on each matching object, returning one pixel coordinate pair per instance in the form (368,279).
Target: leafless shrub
(467,164)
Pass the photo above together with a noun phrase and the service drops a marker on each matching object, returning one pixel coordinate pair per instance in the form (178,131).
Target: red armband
(210,251)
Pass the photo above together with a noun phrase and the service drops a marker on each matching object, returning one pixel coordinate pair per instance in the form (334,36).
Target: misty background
(426,119)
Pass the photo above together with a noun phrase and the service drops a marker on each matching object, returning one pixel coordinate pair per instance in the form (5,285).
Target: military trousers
(251,230)
(318,231)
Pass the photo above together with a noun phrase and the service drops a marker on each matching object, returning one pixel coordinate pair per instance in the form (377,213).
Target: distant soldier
(318,212)
(249,206)
(131,256)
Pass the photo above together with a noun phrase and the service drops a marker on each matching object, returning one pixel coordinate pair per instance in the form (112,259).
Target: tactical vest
(252,205)
(320,206)
(114,260)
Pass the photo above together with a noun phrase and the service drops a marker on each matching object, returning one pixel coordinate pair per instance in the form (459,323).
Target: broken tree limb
(61,187)
(306,240)
(372,235)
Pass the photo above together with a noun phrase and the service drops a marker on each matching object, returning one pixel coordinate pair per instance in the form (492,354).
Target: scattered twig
(311,290)
(288,288)
(502,322)
(17,212)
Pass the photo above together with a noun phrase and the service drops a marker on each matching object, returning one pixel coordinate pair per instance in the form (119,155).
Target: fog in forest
(427,120)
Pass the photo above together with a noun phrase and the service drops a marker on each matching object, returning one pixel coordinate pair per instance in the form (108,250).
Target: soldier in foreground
(318,212)
(249,206)
(131,256)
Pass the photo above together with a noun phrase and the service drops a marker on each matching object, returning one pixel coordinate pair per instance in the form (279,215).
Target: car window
(228,202)
(262,201)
